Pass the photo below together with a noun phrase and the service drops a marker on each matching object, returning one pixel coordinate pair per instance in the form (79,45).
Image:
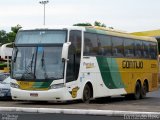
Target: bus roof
(153,33)
(96,29)
(119,33)
(54,28)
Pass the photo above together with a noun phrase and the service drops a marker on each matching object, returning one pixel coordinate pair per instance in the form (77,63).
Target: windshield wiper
(32,61)
(44,66)
(28,74)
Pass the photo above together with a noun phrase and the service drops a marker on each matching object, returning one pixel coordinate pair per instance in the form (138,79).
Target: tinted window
(138,48)
(104,45)
(41,36)
(146,48)
(153,50)
(117,47)
(74,56)
(129,47)
(90,44)
(48,64)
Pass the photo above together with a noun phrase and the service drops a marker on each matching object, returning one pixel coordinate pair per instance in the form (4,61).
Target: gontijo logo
(88,65)
(132,64)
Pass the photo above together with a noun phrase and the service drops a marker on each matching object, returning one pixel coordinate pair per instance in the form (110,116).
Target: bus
(82,63)
(5,57)
(151,33)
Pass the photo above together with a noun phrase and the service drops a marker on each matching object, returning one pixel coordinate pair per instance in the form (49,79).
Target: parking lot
(150,104)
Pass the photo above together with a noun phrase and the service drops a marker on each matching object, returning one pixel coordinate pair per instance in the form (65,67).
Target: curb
(76,111)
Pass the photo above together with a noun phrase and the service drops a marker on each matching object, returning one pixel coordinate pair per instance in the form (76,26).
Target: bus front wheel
(86,94)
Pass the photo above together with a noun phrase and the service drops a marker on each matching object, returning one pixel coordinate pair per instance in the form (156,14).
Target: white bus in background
(5,56)
(6,51)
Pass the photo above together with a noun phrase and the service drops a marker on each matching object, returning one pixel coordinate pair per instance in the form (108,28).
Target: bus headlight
(56,86)
(14,85)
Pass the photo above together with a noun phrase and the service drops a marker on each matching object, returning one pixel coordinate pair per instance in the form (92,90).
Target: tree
(9,37)
(3,36)
(12,35)
(83,24)
(16,28)
(96,23)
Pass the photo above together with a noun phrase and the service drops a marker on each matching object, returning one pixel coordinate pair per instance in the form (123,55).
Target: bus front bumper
(48,95)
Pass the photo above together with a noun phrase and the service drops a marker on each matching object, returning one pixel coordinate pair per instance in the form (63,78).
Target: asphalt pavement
(150,104)
(24,110)
(43,116)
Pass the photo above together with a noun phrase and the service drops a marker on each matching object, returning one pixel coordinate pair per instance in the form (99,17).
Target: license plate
(34,94)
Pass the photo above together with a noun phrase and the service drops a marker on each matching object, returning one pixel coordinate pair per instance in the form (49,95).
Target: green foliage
(3,65)
(3,36)
(9,37)
(96,23)
(16,28)
(83,24)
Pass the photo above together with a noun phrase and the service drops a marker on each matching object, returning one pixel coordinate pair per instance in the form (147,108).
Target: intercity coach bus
(70,63)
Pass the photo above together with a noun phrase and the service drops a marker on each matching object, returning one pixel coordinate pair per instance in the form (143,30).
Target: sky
(126,15)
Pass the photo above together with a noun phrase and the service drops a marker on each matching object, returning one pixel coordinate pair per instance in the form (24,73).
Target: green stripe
(116,75)
(42,84)
(110,72)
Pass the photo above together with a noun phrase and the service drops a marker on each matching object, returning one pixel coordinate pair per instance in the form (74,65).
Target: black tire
(144,90)
(103,99)
(86,94)
(129,97)
(137,91)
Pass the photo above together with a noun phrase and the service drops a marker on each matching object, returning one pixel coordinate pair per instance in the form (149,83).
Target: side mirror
(65,50)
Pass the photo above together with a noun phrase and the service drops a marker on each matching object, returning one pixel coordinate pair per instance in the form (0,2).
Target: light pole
(44,3)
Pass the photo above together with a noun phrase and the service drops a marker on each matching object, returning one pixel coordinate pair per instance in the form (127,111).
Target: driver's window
(74,56)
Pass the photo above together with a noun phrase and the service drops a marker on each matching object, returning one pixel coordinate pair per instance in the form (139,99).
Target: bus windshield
(41,36)
(37,55)
(38,63)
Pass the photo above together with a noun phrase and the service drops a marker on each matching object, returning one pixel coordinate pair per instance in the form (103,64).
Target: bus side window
(129,47)
(138,48)
(74,56)
(90,44)
(104,45)
(87,47)
(146,48)
(153,50)
(117,48)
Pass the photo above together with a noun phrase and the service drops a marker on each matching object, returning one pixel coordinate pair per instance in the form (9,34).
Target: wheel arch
(139,82)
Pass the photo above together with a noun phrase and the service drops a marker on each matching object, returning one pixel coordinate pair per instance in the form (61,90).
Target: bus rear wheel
(144,90)
(86,94)
(137,92)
